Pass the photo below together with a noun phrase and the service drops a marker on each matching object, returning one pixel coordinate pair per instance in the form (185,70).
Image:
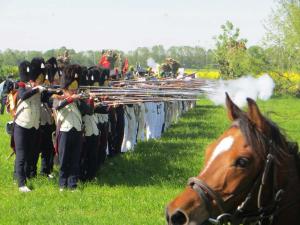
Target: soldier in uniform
(116,129)
(27,120)
(69,124)
(47,121)
(97,77)
(38,72)
(89,153)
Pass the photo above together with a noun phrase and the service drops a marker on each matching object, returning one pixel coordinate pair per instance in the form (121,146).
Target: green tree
(158,53)
(210,60)
(283,36)
(231,52)
(282,41)
(258,60)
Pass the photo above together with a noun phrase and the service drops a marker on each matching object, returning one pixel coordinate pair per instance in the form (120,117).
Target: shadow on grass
(171,159)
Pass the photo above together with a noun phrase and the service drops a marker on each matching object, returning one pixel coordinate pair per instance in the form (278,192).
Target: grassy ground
(135,187)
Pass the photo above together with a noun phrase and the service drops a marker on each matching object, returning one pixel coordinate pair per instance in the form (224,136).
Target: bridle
(260,215)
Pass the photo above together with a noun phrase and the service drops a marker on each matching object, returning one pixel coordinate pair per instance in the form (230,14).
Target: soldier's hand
(92,95)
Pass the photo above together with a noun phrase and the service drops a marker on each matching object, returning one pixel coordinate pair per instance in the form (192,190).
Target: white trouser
(150,119)
(140,115)
(130,129)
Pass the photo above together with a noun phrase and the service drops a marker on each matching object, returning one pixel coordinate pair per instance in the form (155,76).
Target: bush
(286,83)
(6,70)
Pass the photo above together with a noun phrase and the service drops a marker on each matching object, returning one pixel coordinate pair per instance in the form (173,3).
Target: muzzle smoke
(242,88)
(152,64)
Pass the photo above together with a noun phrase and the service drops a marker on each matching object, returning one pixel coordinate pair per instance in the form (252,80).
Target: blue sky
(127,24)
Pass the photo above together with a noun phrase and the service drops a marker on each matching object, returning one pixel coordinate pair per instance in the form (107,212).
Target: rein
(262,215)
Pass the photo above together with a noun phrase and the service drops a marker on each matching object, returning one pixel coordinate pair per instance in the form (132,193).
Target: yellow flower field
(208,74)
(294,77)
(215,74)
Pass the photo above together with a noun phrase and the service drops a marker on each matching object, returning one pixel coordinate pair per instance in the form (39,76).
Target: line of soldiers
(85,132)
(40,112)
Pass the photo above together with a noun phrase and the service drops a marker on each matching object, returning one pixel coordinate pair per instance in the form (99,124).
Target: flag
(125,67)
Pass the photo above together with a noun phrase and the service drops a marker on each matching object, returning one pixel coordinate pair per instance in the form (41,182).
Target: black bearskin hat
(24,71)
(71,73)
(84,78)
(37,68)
(51,68)
(94,75)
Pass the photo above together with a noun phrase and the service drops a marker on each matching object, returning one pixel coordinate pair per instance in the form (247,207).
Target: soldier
(89,155)
(130,74)
(116,129)
(69,124)
(38,72)
(47,121)
(90,145)
(97,77)
(27,120)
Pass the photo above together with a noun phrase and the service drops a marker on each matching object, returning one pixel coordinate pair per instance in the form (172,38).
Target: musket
(133,101)
(156,82)
(162,90)
(159,81)
(146,92)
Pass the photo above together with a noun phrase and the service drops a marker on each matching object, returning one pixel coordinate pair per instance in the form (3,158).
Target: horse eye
(242,162)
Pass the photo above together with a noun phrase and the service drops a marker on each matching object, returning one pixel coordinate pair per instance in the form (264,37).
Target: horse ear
(255,115)
(233,110)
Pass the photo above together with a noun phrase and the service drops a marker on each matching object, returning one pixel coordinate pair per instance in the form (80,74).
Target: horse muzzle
(178,217)
(195,205)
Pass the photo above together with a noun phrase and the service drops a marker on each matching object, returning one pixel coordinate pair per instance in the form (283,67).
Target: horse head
(239,182)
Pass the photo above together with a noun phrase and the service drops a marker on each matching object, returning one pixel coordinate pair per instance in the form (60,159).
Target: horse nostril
(179,218)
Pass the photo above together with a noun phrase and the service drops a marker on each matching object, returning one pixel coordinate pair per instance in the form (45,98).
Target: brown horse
(251,176)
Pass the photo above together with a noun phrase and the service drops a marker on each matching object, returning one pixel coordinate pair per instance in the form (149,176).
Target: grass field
(135,187)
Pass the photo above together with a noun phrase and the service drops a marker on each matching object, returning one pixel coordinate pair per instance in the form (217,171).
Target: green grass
(132,188)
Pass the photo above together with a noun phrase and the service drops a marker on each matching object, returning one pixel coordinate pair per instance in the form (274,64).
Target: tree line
(189,57)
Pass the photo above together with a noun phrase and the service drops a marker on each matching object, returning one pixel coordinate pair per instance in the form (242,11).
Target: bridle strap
(203,196)
(262,213)
(204,192)
(265,174)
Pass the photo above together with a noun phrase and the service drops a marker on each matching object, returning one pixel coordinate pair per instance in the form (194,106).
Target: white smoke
(152,64)
(180,73)
(241,89)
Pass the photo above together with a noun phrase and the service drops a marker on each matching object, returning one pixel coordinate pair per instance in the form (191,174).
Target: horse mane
(294,150)
(275,142)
